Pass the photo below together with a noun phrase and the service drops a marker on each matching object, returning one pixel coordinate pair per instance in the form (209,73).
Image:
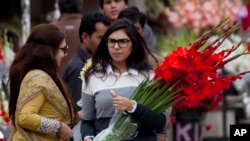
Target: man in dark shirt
(92,28)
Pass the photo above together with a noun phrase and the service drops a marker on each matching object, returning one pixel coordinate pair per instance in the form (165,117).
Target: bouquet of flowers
(187,80)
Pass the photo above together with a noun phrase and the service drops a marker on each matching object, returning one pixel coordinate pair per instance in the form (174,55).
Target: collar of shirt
(130,71)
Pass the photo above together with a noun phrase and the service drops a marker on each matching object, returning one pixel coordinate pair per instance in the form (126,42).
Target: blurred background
(174,23)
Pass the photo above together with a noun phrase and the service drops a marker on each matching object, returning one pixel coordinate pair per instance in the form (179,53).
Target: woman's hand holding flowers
(121,103)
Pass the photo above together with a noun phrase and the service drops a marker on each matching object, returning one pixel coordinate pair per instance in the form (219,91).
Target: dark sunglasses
(65,49)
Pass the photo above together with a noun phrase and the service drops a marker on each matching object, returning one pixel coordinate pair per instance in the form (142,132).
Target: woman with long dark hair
(40,105)
(119,65)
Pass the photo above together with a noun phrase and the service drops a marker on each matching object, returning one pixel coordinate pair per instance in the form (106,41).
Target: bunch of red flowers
(195,69)
(187,79)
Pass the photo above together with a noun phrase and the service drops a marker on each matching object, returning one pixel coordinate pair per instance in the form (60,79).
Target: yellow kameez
(38,97)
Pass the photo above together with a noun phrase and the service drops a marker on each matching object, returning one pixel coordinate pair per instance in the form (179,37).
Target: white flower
(85,67)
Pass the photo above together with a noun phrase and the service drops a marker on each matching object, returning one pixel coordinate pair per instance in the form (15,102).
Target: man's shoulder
(76,62)
(79,56)
(149,37)
(73,68)
(148,29)
(68,19)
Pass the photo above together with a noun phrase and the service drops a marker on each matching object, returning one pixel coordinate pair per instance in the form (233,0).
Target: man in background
(112,8)
(93,25)
(69,22)
(92,28)
(139,19)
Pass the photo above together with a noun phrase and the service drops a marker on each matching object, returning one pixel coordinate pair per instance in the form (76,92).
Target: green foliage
(155,94)
(14,24)
(167,43)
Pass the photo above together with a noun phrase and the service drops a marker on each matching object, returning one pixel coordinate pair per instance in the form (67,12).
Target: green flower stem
(156,95)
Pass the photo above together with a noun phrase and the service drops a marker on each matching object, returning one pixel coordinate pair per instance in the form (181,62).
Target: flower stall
(191,18)
(6,57)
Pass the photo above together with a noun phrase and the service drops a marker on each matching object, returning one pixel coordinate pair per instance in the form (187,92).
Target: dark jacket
(71,74)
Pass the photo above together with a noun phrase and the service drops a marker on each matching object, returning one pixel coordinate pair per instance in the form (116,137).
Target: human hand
(65,133)
(121,103)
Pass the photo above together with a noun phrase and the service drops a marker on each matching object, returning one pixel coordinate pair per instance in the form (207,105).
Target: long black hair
(138,59)
(39,52)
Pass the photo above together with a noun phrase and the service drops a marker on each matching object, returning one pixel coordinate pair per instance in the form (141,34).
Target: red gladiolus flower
(248,48)
(194,70)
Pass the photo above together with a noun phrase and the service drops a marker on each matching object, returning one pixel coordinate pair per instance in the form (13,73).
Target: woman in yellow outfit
(40,106)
